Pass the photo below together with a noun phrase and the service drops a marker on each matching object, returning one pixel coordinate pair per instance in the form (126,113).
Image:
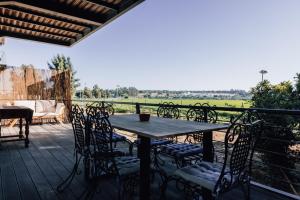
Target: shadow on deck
(34,172)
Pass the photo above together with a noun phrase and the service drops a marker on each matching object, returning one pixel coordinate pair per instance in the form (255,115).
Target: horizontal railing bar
(258,110)
(292,196)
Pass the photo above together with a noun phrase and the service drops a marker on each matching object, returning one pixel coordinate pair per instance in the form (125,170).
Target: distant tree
(96,91)
(107,94)
(132,92)
(62,63)
(87,93)
(297,84)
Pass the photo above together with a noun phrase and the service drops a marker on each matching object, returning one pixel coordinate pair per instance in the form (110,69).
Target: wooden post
(137,108)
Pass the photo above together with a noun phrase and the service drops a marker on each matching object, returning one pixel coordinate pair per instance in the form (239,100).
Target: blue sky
(183,45)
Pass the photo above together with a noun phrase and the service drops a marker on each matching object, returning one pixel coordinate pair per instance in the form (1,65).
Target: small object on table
(144,117)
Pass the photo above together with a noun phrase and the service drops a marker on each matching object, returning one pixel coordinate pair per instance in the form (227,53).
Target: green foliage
(278,133)
(97,92)
(62,63)
(297,85)
(87,93)
(278,96)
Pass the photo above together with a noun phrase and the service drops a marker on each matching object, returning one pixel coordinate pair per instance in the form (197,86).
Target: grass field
(211,102)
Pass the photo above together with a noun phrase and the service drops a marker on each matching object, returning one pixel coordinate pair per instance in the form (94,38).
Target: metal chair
(240,141)
(106,111)
(104,160)
(190,152)
(200,115)
(77,119)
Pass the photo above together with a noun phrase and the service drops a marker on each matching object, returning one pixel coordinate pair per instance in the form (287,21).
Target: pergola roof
(62,22)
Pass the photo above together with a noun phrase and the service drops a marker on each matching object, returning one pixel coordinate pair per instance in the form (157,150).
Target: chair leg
(63,185)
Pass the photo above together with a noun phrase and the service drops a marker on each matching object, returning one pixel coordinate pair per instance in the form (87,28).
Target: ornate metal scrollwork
(200,113)
(168,110)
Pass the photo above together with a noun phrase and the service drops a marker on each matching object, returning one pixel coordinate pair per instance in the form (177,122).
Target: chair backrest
(240,141)
(168,110)
(103,107)
(100,130)
(77,119)
(201,114)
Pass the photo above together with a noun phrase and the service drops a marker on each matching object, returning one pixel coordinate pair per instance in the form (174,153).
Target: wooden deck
(34,172)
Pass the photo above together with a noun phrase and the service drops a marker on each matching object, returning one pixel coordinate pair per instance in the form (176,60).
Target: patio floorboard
(34,172)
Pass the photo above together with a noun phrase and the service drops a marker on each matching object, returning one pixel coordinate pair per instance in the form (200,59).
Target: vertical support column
(144,149)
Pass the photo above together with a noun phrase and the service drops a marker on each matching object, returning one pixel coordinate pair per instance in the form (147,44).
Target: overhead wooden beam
(6,33)
(17,25)
(61,10)
(89,27)
(38,23)
(105,4)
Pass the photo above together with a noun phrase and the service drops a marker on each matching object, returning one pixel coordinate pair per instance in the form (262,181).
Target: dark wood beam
(128,4)
(105,4)
(4,33)
(89,27)
(62,10)
(38,23)
(17,25)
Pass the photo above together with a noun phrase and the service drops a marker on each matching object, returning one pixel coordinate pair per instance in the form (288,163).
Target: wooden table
(17,112)
(159,128)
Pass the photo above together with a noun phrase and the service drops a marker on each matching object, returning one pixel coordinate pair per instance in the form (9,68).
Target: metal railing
(276,163)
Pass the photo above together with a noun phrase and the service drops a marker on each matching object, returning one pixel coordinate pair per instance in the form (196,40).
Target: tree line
(97,92)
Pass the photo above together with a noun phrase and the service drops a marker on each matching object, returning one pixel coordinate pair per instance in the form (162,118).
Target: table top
(158,127)
(10,112)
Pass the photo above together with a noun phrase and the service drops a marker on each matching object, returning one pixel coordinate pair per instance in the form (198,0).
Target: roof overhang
(62,22)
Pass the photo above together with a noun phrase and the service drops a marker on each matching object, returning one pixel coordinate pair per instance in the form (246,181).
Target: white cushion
(205,174)
(45,106)
(27,103)
(59,108)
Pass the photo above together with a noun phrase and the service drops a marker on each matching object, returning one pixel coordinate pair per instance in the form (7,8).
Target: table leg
(144,168)
(26,133)
(207,156)
(21,128)
(138,144)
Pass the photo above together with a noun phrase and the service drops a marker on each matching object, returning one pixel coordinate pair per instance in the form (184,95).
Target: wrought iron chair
(191,152)
(200,115)
(106,111)
(240,141)
(103,160)
(77,119)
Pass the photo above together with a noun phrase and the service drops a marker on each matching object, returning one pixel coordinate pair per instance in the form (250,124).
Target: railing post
(205,114)
(137,108)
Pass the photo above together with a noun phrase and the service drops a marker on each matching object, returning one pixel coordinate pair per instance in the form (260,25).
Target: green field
(211,102)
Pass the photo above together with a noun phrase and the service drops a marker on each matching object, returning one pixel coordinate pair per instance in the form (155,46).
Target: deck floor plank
(35,172)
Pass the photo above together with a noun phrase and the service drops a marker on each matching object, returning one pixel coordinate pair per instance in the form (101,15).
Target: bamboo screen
(28,83)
